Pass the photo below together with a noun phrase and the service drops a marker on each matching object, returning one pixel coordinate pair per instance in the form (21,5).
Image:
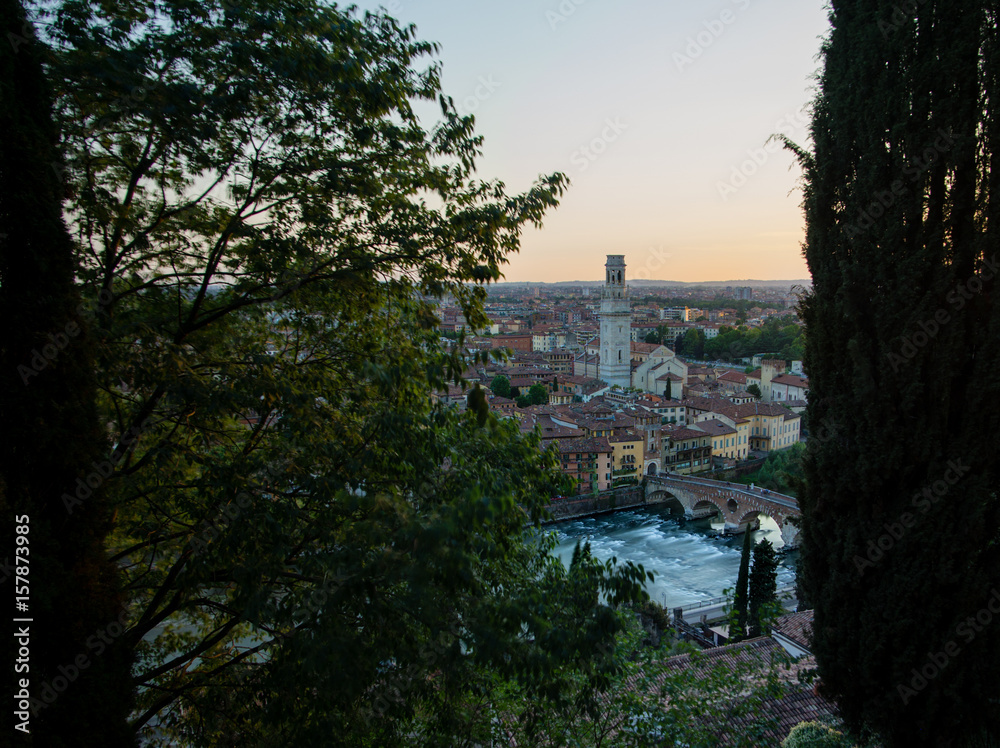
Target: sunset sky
(659,113)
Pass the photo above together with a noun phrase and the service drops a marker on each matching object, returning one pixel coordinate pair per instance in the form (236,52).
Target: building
(629,447)
(501,405)
(514,342)
(661,373)
(724,438)
(587,462)
(785,387)
(616,325)
(685,450)
(760,427)
(769,369)
(560,360)
(732,382)
(678,313)
(582,389)
(742,292)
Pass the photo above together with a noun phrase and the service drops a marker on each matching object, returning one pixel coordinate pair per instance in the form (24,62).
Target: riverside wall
(606,501)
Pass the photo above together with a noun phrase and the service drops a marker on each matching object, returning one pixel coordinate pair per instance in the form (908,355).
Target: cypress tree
(900,511)
(79,679)
(741,598)
(763,587)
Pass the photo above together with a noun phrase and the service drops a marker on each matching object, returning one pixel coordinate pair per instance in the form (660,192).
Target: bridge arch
(702,506)
(667,499)
(750,517)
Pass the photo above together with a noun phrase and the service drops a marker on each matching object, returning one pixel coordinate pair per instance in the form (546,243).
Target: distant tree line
(776,336)
(742,306)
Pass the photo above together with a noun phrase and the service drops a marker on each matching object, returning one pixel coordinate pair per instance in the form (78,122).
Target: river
(689,562)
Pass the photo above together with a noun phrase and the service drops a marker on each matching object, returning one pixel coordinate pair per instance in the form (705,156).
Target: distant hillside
(666,283)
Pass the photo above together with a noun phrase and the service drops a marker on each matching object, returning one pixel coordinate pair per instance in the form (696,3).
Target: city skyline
(660,115)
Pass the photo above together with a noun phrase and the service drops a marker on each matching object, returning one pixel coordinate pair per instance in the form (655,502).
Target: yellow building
(773,427)
(725,438)
(762,427)
(628,455)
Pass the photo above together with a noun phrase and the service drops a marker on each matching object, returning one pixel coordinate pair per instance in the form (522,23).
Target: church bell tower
(616,325)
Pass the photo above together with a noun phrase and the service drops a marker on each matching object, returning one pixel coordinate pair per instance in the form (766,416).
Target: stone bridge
(738,505)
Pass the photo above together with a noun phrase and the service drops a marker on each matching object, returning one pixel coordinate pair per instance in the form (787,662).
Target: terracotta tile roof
(762,648)
(797,627)
(715,427)
(644,347)
(791,380)
(683,432)
(619,436)
(733,376)
(552,430)
(597,444)
(798,704)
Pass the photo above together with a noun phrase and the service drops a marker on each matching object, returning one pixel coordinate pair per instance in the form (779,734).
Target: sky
(658,112)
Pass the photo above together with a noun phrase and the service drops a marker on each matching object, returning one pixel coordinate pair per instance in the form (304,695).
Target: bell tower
(616,325)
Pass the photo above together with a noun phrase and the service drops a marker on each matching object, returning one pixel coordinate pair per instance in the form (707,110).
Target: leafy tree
(782,471)
(54,446)
(693,344)
(659,336)
(537,394)
(902,224)
(774,336)
(816,735)
(754,389)
(763,588)
(500,386)
(300,531)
